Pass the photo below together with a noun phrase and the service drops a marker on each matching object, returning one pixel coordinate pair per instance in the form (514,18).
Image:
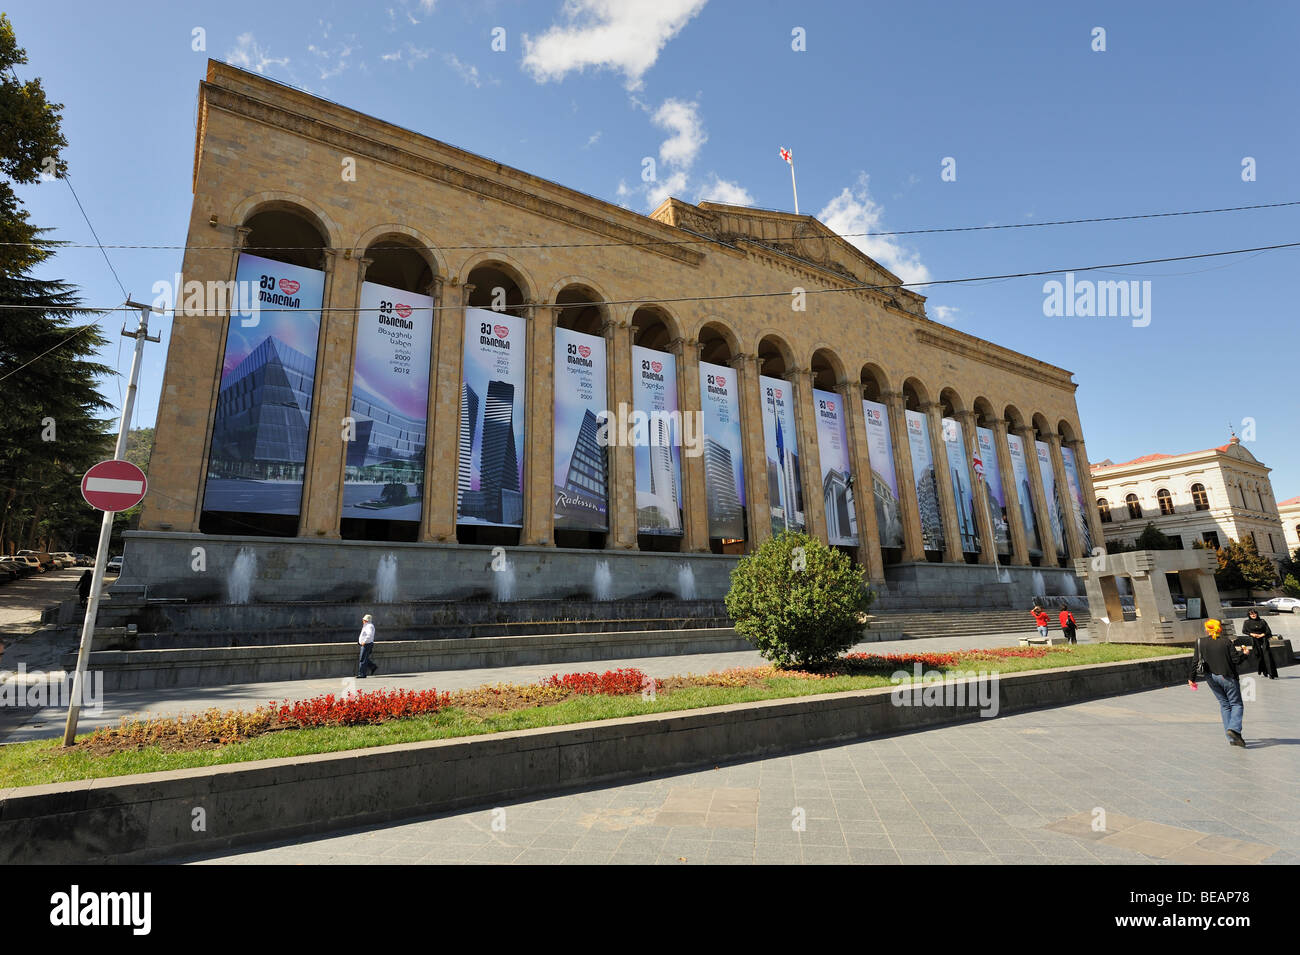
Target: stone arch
(775,356)
(582,306)
(718,343)
(278,201)
(1066,431)
(655,326)
(1014,418)
(915,394)
(1040,424)
(984,413)
(827,368)
(488,262)
(403,235)
(950,402)
(875,383)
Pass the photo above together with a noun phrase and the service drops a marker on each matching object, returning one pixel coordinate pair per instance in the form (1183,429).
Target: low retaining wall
(150,817)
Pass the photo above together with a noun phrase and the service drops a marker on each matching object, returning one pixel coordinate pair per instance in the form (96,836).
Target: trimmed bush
(798,601)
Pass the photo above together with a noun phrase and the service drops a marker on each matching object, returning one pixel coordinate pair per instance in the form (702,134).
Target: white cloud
(467,73)
(592,139)
(673,184)
(626,36)
(682,120)
(854,211)
(331,63)
(409,53)
(943,313)
(720,190)
(248,54)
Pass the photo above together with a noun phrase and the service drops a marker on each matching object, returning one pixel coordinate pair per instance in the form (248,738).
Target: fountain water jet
(239,582)
(602,583)
(503,581)
(386,579)
(685,582)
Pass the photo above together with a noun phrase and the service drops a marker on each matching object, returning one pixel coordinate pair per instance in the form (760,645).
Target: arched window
(1166,501)
(1134,508)
(1200,500)
(1103,509)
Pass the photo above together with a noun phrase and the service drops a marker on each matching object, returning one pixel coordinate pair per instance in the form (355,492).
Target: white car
(1284,604)
(114,565)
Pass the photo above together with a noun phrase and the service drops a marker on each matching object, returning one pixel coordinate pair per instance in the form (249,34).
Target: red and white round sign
(114,486)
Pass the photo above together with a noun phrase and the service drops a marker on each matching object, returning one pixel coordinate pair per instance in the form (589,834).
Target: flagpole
(794,187)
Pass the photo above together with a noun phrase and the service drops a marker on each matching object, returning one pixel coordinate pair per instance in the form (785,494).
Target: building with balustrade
(492,309)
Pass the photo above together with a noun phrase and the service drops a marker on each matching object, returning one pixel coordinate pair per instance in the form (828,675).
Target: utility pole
(141,335)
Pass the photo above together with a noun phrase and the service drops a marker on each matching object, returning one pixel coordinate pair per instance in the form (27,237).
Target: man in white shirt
(367,641)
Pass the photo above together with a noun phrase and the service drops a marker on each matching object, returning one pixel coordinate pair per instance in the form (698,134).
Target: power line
(667,242)
(650,301)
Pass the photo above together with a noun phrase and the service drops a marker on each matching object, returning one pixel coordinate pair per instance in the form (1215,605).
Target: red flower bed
(612,682)
(937,660)
(366,706)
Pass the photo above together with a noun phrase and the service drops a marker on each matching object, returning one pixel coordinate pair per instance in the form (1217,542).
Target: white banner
(495,376)
(837,469)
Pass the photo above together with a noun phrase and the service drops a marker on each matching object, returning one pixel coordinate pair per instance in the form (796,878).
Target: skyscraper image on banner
(656,436)
(837,471)
(268,378)
(781,443)
(927,488)
(1052,494)
(724,470)
(490,468)
(1020,472)
(1076,499)
(580,464)
(963,491)
(884,478)
(995,494)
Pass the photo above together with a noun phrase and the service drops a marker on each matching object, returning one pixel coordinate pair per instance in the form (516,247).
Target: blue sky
(1039,124)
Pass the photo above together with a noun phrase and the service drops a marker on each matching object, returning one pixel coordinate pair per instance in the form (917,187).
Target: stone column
(322,484)
(1045,531)
(983,506)
(1089,494)
(695,507)
(758,508)
(952,553)
(864,498)
(1073,544)
(431,451)
(1019,533)
(539,483)
(810,468)
(443,476)
(908,508)
(191,383)
(622,464)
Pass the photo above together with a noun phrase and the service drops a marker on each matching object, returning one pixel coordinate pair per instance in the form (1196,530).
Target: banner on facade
(927,488)
(781,446)
(1020,473)
(581,489)
(724,469)
(963,489)
(1076,498)
(1052,494)
(494,378)
(268,376)
(655,432)
(995,492)
(837,469)
(384,474)
(884,480)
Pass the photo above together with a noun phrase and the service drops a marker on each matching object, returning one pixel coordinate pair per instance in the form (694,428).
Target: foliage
(1290,565)
(1242,567)
(611,682)
(798,601)
(1152,539)
(353,709)
(1291,586)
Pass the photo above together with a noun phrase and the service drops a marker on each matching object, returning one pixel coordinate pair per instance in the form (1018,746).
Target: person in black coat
(83,587)
(1256,627)
(1221,658)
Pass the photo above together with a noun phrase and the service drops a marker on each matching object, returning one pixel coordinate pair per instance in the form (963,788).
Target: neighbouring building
(1289,512)
(1213,496)
(449,360)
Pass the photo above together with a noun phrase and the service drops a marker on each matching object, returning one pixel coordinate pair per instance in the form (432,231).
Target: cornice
(977,349)
(247,106)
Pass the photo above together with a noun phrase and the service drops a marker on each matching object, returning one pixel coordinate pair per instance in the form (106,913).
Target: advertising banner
(1051,493)
(1076,498)
(781,445)
(656,436)
(581,474)
(1020,472)
(963,491)
(837,470)
(384,476)
(268,377)
(494,377)
(997,495)
(927,491)
(884,479)
(724,469)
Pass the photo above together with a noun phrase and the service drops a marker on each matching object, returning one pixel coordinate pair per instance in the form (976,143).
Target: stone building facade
(1215,495)
(289,177)
(1289,512)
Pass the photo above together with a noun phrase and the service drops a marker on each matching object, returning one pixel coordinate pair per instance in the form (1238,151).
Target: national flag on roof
(787,155)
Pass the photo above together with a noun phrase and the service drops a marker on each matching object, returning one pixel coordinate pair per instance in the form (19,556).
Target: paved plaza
(1024,788)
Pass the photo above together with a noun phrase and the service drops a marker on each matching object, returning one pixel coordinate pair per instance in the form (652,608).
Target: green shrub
(1291,586)
(798,601)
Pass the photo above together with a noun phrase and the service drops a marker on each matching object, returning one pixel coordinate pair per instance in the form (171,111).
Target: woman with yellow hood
(1220,658)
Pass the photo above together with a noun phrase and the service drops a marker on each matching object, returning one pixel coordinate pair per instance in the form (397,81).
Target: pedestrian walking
(1216,659)
(1256,627)
(1040,620)
(83,588)
(365,665)
(1069,625)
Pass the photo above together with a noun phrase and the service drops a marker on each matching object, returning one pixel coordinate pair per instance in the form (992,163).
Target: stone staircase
(915,625)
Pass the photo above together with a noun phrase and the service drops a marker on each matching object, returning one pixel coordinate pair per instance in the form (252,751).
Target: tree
(1242,567)
(1152,539)
(1291,586)
(49,432)
(1290,565)
(799,601)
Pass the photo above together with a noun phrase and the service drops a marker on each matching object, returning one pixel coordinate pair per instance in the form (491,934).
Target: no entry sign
(114,486)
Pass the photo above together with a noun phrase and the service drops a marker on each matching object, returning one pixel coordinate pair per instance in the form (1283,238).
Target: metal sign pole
(141,335)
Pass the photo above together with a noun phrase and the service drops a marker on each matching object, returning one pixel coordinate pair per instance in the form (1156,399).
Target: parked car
(45,560)
(9,571)
(65,559)
(1283,604)
(17,563)
(85,560)
(33,565)
(114,565)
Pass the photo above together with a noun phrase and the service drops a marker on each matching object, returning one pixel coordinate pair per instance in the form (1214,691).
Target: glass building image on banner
(248,453)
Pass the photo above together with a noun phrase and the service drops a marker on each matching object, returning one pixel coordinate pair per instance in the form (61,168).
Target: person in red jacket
(1069,625)
(1040,620)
